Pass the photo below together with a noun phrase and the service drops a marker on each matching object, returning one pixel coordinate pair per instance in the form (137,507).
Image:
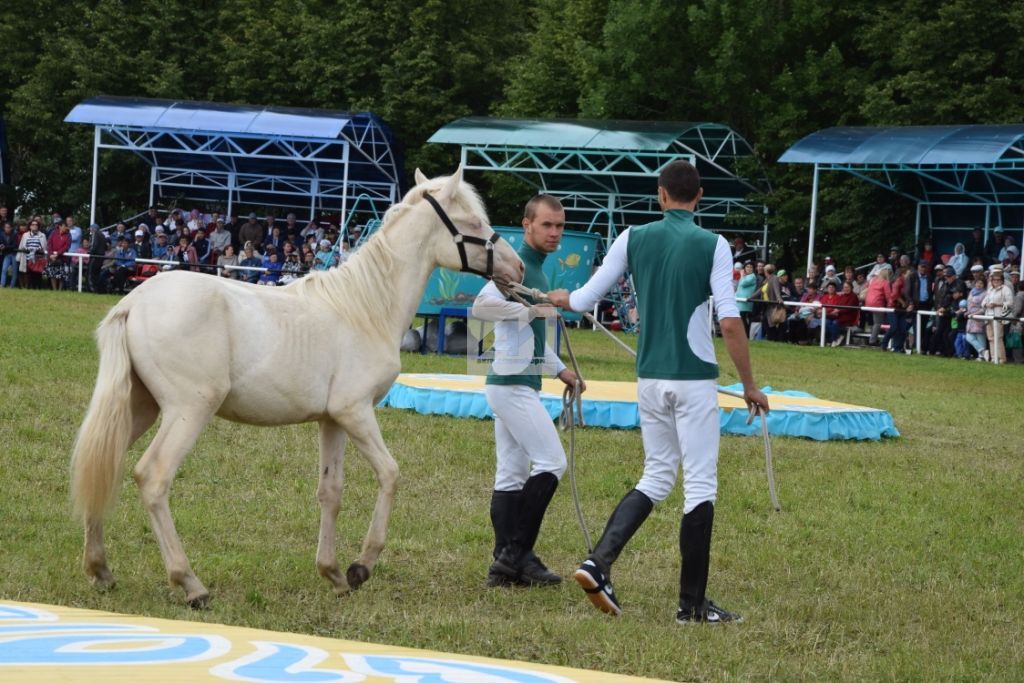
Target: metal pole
(80,259)
(764,237)
(814,219)
(917,332)
(988,222)
(152,183)
(917,224)
(822,343)
(344,197)
(314,191)
(611,223)
(231,194)
(95,172)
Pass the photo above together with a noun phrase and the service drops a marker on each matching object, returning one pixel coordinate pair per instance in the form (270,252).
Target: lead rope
(753,412)
(572,414)
(572,404)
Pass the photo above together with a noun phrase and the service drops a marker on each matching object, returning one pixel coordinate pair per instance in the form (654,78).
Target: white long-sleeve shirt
(616,263)
(513,336)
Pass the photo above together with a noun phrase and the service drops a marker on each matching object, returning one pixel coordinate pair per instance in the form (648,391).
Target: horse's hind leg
(154,474)
(94,558)
(328,492)
(362,428)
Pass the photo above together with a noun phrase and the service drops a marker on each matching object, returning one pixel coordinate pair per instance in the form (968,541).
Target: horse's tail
(97,462)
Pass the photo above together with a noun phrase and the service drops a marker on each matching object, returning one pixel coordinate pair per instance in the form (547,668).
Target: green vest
(534,278)
(671,262)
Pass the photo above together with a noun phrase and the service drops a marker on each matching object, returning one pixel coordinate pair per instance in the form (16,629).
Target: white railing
(918,314)
(82,258)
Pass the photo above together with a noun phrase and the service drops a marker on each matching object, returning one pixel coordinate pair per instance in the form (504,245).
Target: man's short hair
(530,210)
(680,180)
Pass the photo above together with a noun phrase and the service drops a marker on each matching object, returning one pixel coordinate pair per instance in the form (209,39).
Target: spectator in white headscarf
(959,260)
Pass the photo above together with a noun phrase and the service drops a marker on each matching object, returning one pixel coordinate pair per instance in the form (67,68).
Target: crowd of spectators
(980,278)
(36,253)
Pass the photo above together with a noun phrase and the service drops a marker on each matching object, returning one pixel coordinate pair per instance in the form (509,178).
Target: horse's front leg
(362,428)
(328,492)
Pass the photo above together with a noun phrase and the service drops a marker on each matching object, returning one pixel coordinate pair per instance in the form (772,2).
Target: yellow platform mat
(50,643)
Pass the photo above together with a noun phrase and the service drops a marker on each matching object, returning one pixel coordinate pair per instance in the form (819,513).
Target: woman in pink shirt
(879,296)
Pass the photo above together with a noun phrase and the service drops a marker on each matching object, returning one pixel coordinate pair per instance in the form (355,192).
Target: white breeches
(680,428)
(525,436)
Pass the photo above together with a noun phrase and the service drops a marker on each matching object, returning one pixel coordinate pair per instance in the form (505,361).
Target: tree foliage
(774,71)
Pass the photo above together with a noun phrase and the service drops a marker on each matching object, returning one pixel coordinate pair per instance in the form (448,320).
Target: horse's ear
(419,177)
(451,186)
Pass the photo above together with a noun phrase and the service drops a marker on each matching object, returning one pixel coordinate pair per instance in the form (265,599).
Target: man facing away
(676,266)
(530,457)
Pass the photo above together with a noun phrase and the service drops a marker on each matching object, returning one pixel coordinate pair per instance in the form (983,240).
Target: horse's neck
(410,272)
(397,270)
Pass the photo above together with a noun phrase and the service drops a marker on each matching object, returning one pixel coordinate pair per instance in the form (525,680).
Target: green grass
(897,560)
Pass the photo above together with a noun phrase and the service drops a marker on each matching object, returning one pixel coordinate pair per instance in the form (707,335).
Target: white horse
(351,319)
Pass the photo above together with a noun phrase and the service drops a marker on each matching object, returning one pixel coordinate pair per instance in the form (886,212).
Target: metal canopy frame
(319,160)
(973,172)
(5,172)
(604,171)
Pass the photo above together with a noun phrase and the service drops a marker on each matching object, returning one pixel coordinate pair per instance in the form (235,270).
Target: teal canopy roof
(632,136)
(960,177)
(605,172)
(910,145)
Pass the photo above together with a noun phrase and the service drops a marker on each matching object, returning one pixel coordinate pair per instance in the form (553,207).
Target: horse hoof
(198,602)
(356,575)
(102,579)
(333,574)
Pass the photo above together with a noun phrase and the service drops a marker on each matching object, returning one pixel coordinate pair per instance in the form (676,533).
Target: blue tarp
(820,425)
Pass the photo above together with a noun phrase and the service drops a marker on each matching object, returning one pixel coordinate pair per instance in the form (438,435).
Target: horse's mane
(362,289)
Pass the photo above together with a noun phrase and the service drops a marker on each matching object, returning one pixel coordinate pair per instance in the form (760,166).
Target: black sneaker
(497,578)
(708,613)
(598,588)
(501,574)
(532,572)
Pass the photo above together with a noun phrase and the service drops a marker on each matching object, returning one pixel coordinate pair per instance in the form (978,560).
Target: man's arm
(722,291)
(736,344)
(491,306)
(615,264)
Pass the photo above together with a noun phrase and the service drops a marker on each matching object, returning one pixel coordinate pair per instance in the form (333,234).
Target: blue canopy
(915,145)
(960,177)
(254,155)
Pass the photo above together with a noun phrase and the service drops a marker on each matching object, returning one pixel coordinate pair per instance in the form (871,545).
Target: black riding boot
(517,561)
(695,547)
(628,516)
(504,517)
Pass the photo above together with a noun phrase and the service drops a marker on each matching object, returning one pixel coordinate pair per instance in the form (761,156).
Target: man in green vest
(676,266)
(530,457)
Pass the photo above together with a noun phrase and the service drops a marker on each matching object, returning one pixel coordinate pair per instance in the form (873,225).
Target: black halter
(461,240)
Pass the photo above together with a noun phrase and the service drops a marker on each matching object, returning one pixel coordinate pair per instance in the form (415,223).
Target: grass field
(897,560)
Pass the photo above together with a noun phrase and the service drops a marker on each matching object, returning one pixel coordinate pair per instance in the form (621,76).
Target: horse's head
(464,239)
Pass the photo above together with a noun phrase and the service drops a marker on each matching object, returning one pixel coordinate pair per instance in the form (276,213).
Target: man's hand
(559,297)
(754,396)
(543,311)
(570,378)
